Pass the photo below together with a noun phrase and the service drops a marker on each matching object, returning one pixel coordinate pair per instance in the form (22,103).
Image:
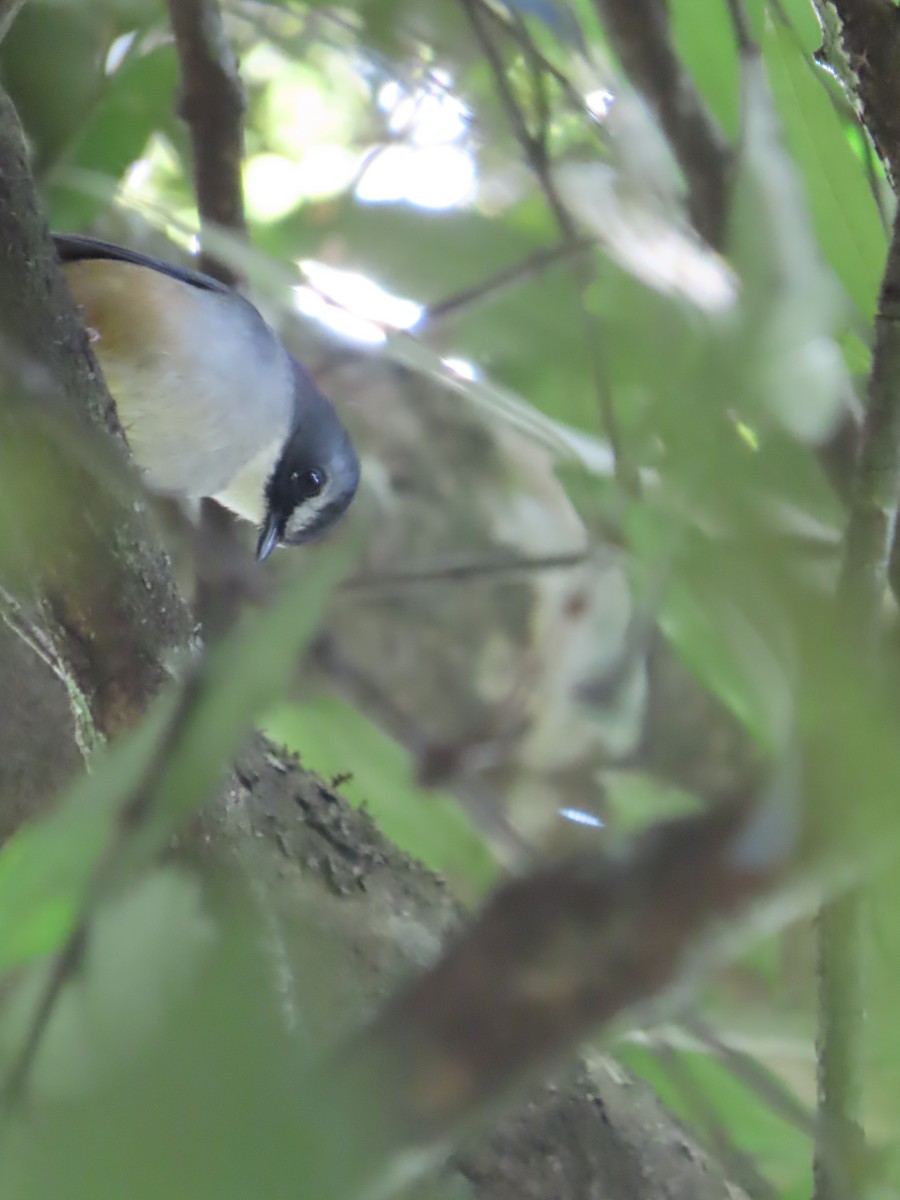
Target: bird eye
(306,484)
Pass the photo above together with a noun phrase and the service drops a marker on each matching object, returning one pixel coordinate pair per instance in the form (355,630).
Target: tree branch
(536,154)
(463,571)
(212,104)
(596,1131)
(871,39)
(839,1159)
(527,268)
(870,33)
(553,957)
(106,588)
(876,487)
(638,32)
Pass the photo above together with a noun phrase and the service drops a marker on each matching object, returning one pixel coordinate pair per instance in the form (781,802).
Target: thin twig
(737,1162)
(63,968)
(463,571)
(536,153)
(748,1069)
(740,23)
(527,268)
(535,61)
(517,31)
(533,145)
(212,104)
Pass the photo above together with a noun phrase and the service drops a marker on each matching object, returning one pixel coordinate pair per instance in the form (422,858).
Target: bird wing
(76,247)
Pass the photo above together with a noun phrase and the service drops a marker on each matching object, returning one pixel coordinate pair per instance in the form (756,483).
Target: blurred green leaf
(180,1112)
(704,37)
(781,1152)
(844,214)
(142,953)
(134,103)
(723,649)
(557,16)
(737,529)
(51,63)
(46,868)
(637,800)
(790,306)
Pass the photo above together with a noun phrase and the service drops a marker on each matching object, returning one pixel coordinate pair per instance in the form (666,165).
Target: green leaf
(133,104)
(779,1150)
(242,677)
(52,69)
(46,868)
(143,950)
(785,352)
(844,213)
(705,42)
(731,657)
(530,329)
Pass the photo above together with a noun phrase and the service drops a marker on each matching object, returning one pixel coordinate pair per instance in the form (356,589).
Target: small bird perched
(211,401)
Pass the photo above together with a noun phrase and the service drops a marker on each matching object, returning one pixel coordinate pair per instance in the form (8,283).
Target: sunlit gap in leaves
(351,304)
(428,166)
(360,310)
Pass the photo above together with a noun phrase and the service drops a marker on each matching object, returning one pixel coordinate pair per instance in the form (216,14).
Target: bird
(211,401)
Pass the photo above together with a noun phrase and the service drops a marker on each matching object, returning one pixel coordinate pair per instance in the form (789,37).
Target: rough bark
(98,595)
(871,37)
(314,863)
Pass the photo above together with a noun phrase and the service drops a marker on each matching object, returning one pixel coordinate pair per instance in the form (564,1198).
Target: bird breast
(202,385)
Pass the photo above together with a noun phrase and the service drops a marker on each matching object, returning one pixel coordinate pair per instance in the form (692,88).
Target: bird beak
(268,538)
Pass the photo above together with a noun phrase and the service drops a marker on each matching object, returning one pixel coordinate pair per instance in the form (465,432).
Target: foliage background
(382,158)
